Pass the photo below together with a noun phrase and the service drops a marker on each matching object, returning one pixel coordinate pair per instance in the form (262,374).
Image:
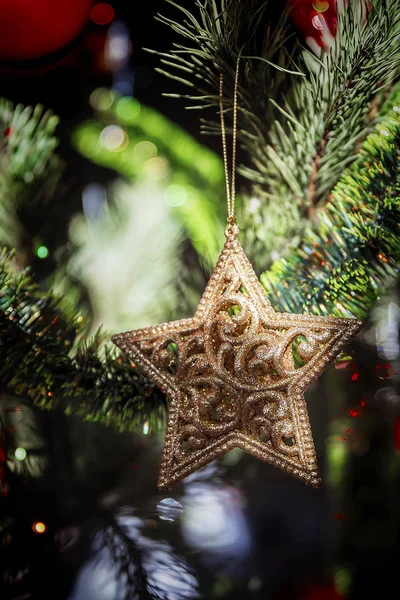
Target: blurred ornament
(31,29)
(316,20)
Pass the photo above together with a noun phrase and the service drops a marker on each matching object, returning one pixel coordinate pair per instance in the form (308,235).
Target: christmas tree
(318,195)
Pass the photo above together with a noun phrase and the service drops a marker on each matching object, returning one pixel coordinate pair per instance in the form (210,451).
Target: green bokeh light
(101,99)
(42,252)
(20,453)
(175,195)
(128,109)
(342,579)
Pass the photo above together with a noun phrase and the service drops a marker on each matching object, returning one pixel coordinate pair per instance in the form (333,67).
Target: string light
(114,138)
(20,454)
(39,527)
(42,252)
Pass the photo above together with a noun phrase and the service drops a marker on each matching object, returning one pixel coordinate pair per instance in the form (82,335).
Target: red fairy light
(383,371)
(354,412)
(355,376)
(339,516)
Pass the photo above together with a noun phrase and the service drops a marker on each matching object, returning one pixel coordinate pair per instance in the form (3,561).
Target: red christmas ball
(31,29)
(317,21)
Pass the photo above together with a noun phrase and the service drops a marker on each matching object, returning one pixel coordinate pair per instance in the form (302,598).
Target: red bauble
(31,29)
(317,21)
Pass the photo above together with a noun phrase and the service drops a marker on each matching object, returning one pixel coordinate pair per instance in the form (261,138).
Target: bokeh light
(320,5)
(102,13)
(101,99)
(175,195)
(42,252)
(169,509)
(145,150)
(156,168)
(20,453)
(39,527)
(319,22)
(128,109)
(114,138)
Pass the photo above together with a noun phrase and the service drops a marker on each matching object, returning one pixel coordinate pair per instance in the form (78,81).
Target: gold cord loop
(230,188)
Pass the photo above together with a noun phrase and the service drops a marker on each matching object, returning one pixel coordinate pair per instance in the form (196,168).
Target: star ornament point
(236,374)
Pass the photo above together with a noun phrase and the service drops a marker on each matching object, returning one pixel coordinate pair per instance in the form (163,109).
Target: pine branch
(299,132)
(41,358)
(347,259)
(29,171)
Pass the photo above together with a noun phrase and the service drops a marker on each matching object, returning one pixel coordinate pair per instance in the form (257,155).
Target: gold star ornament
(236,373)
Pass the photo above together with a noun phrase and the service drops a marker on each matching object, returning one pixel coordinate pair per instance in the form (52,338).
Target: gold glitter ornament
(231,376)
(237,371)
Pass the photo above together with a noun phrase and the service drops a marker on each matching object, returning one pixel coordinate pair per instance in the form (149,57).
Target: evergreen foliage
(302,118)
(322,138)
(29,170)
(351,254)
(41,358)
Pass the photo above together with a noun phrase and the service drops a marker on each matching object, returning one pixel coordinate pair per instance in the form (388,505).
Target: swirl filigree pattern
(236,373)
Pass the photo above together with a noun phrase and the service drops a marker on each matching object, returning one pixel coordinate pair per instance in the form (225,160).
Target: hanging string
(230,188)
